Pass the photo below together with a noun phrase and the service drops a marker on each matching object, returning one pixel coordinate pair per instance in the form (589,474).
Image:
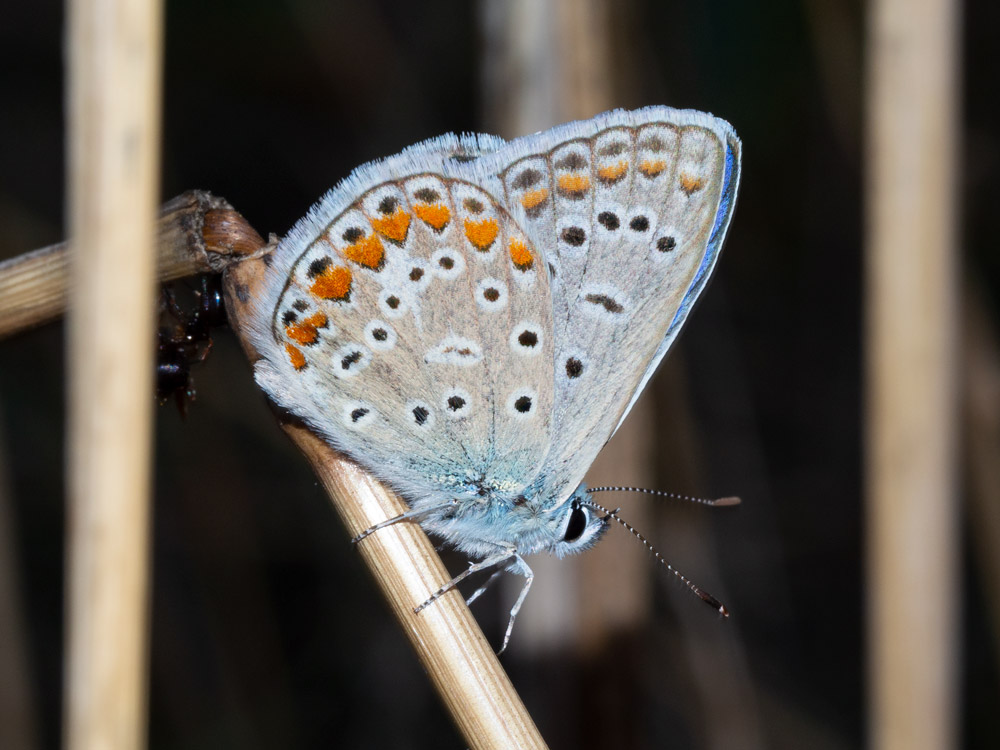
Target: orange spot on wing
(367,251)
(521,255)
(534,198)
(652,167)
(296,357)
(690,183)
(574,183)
(333,283)
(436,215)
(302,334)
(614,171)
(481,233)
(394,227)
(317,320)
(305,332)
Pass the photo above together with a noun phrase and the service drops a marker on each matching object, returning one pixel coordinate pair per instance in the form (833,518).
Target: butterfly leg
(475,567)
(521,567)
(479,592)
(409,515)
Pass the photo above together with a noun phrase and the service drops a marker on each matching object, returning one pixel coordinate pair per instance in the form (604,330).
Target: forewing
(631,209)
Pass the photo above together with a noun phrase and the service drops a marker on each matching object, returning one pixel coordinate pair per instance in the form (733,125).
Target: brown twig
(445,636)
(196,233)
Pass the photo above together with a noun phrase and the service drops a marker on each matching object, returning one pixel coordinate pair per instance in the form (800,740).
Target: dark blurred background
(267,632)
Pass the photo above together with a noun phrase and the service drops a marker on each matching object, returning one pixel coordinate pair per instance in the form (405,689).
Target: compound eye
(577,524)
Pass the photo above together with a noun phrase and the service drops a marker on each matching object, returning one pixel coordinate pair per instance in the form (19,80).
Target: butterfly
(472,319)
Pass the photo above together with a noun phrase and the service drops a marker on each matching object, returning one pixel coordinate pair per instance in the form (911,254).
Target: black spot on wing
(608,303)
(526,179)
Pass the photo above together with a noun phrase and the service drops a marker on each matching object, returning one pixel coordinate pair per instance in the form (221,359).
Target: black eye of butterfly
(577,524)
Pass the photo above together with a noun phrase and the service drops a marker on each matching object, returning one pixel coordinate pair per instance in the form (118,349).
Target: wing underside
(632,211)
(480,313)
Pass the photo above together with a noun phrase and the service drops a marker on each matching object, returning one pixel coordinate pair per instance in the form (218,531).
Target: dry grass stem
(445,636)
(196,233)
(113,145)
(911,353)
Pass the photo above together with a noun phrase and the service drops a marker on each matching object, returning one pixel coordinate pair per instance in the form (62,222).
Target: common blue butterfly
(472,319)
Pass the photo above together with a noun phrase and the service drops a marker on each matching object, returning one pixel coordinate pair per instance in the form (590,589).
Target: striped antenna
(695,589)
(718,503)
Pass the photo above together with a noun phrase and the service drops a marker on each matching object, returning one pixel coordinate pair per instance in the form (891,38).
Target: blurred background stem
(912,357)
(113,134)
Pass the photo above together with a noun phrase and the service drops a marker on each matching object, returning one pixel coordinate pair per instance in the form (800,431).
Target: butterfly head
(580,525)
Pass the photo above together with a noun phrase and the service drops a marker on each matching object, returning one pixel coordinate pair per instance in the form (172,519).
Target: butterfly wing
(631,209)
(408,319)
(473,317)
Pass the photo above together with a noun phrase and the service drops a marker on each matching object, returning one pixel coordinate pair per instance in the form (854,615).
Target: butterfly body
(472,319)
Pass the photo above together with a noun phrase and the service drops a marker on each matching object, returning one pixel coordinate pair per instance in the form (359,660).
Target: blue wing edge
(727,203)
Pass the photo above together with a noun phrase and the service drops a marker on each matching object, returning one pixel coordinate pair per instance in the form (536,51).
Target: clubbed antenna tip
(724,501)
(712,601)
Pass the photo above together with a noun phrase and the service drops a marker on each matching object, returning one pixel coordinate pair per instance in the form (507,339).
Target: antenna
(717,503)
(695,589)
